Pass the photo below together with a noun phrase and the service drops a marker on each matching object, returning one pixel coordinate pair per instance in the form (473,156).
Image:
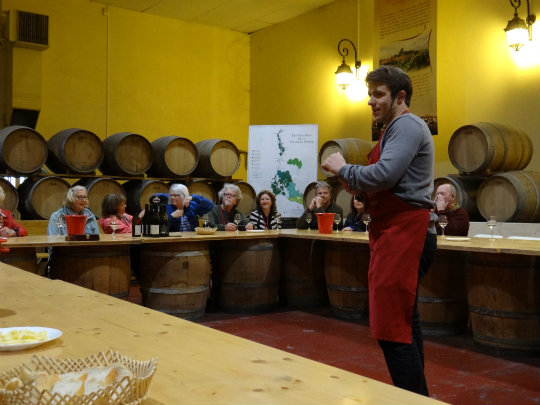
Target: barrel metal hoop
(503,314)
(181,311)
(95,255)
(176,254)
(435,300)
(122,294)
(187,290)
(347,288)
(249,285)
(507,342)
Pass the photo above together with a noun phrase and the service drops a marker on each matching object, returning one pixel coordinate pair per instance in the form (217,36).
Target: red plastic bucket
(325,221)
(75,224)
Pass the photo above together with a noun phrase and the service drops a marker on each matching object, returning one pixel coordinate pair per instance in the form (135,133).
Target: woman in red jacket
(8,225)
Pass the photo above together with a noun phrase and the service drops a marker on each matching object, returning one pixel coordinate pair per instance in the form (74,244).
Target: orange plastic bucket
(325,221)
(75,224)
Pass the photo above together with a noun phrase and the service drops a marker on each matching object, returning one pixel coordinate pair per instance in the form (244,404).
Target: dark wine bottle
(163,221)
(146,220)
(136,226)
(154,220)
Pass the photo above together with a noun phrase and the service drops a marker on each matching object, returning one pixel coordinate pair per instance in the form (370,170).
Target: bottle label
(154,230)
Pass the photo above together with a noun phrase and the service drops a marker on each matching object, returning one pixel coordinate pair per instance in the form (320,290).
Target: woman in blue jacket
(184,209)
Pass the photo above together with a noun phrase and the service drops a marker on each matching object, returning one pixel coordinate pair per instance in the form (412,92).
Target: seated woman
(113,208)
(354,219)
(265,215)
(184,209)
(8,225)
(75,203)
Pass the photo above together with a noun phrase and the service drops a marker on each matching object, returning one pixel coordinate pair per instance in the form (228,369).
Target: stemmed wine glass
(205,220)
(492,223)
(60,223)
(443,221)
(366,219)
(114,226)
(308,220)
(237,221)
(337,220)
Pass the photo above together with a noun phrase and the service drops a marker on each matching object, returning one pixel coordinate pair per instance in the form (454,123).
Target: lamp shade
(517,33)
(344,75)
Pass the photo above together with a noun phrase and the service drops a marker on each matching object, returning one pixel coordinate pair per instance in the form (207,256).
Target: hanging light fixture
(519,31)
(344,73)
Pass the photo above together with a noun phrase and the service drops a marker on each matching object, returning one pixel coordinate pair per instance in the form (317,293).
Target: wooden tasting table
(196,364)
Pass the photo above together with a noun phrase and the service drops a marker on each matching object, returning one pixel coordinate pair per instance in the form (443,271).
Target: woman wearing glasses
(223,215)
(75,203)
(184,209)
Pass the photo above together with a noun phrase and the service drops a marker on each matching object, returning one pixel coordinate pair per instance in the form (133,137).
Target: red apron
(396,239)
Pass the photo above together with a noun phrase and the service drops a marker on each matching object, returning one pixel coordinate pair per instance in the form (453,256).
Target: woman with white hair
(75,203)
(9,227)
(222,216)
(184,209)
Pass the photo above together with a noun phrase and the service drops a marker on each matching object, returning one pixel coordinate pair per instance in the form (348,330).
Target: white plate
(255,230)
(458,238)
(52,334)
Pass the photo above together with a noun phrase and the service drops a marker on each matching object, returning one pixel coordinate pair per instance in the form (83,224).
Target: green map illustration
(282,182)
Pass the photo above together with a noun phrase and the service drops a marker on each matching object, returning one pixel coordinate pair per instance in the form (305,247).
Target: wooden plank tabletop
(196,364)
(500,245)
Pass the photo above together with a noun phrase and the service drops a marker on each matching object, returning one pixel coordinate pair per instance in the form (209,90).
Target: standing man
(402,238)
(445,204)
(322,202)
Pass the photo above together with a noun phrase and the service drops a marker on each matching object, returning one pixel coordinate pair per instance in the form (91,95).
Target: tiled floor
(458,370)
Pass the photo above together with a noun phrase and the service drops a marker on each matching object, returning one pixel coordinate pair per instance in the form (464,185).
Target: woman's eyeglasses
(82,197)
(229,195)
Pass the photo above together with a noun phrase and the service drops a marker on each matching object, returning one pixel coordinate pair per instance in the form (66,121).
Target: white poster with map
(283,159)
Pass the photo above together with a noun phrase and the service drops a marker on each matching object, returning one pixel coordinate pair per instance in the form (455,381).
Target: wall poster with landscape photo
(407,39)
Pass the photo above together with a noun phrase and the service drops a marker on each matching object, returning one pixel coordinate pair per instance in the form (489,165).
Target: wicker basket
(205,231)
(128,390)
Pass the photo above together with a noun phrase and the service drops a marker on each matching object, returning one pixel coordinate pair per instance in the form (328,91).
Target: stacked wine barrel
(124,162)
(491,159)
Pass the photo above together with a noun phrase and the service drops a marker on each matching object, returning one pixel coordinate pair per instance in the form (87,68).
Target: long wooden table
(486,245)
(196,364)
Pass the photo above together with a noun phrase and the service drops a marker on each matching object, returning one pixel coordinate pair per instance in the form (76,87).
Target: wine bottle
(146,220)
(154,220)
(136,226)
(163,221)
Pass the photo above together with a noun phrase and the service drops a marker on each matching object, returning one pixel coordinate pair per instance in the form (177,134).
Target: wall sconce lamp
(344,74)
(518,32)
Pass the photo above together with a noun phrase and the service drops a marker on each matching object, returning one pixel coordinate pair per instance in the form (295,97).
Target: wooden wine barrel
(303,282)
(204,188)
(342,198)
(354,151)
(218,158)
(74,150)
(22,150)
(38,199)
(175,278)
(442,295)
(309,193)
(138,193)
(346,268)
(97,189)
(12,198)
(466,191)
(173,156)
(126,154)
(486,147)
(504,301)
(247,275)
(23,258)
(247,203)
(104,268)
(511,197)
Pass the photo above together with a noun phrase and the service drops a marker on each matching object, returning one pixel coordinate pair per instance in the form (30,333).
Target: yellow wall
(478,76)
(111,70)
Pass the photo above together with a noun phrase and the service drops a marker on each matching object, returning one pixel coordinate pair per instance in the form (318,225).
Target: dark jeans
(405,361)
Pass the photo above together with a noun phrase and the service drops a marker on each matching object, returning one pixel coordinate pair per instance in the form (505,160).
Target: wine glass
(60,224)
(337,220)
(205,220)
(114,226)
(492,223)
(366,219)
(237,221)
(308,218)
(443,221)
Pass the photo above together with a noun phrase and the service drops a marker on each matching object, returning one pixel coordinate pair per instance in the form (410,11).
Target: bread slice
(70,384)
